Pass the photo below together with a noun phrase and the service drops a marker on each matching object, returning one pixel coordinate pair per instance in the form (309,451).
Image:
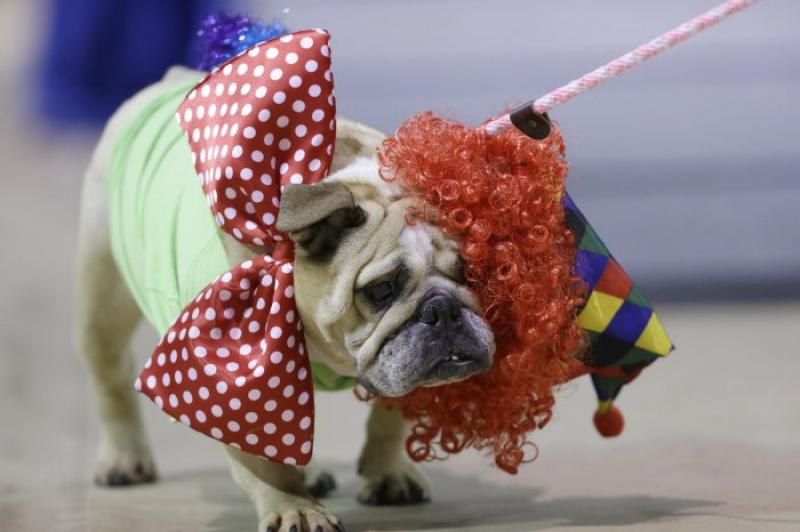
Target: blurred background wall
(688,166)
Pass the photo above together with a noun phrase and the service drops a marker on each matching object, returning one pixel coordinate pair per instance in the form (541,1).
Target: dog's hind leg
(106,317)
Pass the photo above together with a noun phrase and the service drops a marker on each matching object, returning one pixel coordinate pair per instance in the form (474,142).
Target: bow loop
(264,119)
(234,365)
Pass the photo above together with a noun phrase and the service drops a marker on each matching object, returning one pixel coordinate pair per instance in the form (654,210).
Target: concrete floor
(712,441)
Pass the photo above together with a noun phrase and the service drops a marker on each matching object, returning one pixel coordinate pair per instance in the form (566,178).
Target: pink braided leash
(621,64)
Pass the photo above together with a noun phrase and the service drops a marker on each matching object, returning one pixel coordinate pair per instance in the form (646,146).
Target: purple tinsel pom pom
(225,35)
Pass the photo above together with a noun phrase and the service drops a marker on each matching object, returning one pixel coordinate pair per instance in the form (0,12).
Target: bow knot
(233,365)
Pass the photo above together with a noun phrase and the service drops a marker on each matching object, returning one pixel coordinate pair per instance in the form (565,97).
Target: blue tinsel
(224,35)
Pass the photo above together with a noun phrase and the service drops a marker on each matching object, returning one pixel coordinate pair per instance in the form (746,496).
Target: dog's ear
(354,140)
(316,216)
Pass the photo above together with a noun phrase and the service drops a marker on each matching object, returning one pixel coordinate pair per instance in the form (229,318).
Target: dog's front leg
(281,499)
(389,477)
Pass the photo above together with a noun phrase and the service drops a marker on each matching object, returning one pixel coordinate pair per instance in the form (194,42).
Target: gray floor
(712,443)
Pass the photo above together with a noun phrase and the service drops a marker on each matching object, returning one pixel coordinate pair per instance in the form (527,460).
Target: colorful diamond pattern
(624,332)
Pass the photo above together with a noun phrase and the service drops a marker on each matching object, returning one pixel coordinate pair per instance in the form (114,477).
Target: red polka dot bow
(233,364)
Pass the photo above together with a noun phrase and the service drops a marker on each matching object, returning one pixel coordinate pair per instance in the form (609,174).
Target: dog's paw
(124,468)
(405,485)
(309,519)
(320,483)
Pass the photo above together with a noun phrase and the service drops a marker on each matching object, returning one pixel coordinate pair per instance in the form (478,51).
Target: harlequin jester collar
(262,120)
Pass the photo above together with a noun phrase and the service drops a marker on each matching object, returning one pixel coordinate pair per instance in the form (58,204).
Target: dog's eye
(380,295)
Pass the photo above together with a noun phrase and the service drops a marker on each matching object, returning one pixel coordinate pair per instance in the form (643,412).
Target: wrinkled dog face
(379,298)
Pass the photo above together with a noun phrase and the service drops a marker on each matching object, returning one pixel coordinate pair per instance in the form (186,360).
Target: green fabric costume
(163,236)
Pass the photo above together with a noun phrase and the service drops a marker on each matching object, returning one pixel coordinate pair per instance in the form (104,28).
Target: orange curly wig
(501,197)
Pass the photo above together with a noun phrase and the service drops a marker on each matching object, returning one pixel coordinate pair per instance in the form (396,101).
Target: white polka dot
(216,411)
(325,50)
(187,397)
(203,392)
(314,165)
(314,90)
(263,115)
(288,391)
(261,91)
(282,121)
(205,91)
(151,382)
(242,69)
(173,400)
(222,387)
(233,426)
(257,155)
(210,314)
(303,371)
(302,399)
(299,155)
(276,74)
(216,433)
(318,115)
(235,404)
(301,131)
(254,394)
(291,58)
(274,381)
(284,145)
(192,373)
(252,439)
(165,380)
(288,439)
(259,371)
(232,367)
(216,333)
(279,97)
(275,332)
(305,422)
(270,450)
(159,402)
(200,416)
(185,420)
(295,81)
(272,53)
(311,65)
(162,359)
(316,140)
(306,42)
(245,349)
(306,447)
(249,132)
(290,366)
(236,152)
(209,369)
(270,405)
(299,106)
(270,428)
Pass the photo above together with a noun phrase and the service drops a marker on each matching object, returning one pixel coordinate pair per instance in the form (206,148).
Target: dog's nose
(440,310)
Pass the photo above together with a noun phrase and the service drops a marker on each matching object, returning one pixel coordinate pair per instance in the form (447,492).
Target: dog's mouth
(455,367)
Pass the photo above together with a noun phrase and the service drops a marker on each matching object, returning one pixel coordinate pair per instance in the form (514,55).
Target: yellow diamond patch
(599,311)
(654,338)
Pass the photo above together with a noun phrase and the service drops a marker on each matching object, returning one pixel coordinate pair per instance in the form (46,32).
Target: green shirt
(163,236)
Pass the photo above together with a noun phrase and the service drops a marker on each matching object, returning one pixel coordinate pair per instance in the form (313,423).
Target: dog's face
(380,298)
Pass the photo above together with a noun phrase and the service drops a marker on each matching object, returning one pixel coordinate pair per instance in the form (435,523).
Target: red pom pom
(609,424)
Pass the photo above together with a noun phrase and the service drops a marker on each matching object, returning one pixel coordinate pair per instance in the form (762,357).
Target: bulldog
(380,300)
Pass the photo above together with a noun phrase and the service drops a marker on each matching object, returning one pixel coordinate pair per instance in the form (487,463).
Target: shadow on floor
(460,502)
